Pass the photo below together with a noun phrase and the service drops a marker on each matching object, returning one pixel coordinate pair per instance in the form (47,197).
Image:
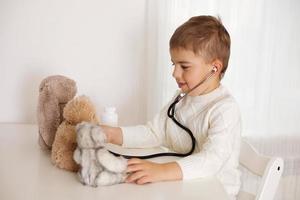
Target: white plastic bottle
(109,117)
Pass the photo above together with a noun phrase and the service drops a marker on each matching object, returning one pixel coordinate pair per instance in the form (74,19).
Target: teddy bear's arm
(110,162)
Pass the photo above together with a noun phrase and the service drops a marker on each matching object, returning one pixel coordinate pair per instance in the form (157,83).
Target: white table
(27,173)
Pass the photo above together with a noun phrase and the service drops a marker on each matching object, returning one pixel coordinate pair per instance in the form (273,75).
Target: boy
(197,48)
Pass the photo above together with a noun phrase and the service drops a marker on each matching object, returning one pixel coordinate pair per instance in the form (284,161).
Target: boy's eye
(184,67)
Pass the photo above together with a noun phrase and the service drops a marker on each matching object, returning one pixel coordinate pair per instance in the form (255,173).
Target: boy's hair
(204,35)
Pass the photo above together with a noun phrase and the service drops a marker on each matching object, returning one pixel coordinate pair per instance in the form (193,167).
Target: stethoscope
(171,115)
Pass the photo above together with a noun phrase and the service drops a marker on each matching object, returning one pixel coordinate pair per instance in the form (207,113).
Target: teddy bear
(76,111)
(59,111)
(98,167)
(54,93)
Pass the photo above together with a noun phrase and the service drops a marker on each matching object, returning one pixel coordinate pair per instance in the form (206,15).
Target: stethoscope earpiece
(215,69)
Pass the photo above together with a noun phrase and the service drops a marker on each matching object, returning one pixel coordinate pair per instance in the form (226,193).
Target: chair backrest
(268,168)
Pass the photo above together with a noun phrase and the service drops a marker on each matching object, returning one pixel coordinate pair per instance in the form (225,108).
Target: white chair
(268,168)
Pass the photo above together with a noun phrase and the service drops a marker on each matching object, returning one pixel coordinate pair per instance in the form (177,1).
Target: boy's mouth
(180,85)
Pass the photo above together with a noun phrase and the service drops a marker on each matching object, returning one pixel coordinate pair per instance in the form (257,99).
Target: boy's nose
(176,72)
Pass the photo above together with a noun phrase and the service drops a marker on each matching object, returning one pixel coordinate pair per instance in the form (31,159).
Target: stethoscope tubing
(171,114)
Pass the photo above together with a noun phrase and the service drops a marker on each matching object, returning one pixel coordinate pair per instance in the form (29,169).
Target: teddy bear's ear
(48,117)
(42,85)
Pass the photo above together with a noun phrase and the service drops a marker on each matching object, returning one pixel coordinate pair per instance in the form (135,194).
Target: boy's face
(190,69)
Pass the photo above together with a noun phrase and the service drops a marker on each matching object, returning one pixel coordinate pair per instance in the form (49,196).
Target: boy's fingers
(135,176)
(133,161)
(143,180)
(133,168)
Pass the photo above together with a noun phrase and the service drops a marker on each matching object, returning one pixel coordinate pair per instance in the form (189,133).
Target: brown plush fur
(54,93)
(76,111)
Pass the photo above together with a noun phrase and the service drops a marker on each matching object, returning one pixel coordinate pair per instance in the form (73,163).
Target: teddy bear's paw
(83,178)
(90,168)
(90,135)
(108,178)
(80,177)
(111,162)
(86,178)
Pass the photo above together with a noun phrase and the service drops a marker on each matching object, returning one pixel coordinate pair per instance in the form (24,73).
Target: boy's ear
(218,64)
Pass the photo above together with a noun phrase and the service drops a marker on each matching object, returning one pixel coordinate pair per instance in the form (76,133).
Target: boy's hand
(143,171)
(113,134)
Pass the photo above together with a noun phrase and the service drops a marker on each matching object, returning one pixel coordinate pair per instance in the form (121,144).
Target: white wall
(100,44)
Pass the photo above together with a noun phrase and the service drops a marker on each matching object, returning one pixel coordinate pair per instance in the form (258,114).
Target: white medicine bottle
(109,117)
